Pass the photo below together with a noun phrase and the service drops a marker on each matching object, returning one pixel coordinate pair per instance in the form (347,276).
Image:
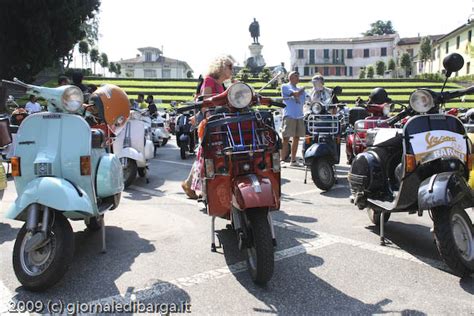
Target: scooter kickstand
(305,173)
(102,230)
(213,234)
(382,233)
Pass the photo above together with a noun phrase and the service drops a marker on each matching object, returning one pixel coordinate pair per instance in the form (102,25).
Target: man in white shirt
(32,106)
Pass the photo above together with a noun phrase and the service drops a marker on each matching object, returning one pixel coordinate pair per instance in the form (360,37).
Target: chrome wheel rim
(463,237)
(35,262)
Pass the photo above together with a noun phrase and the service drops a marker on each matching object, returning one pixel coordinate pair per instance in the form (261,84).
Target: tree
(391,64)
(265,74)
(405,63)
(83,50)
(118,69)
(380,28)
(362,74)
(425,50)
(370,72)
(380,67)
(112,67)
(38,34)
(94,56)
(104,61)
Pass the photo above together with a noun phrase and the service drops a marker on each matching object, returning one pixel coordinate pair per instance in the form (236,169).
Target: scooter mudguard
(316,150)
(109,176)
(149,151)
(444,189)
(131,153)
(55,193)
(251,191)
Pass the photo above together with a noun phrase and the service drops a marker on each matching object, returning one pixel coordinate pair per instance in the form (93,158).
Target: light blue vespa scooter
(62,171)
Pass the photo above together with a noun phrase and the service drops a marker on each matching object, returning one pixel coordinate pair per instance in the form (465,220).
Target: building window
(306,71)
(166,73)
(468,68)
(410,52)
(469,35)
(300,53)
(349,53)
(366,53)
(458,42)
(311,56)
(447,47)
(383,51)
(326,71)
(148,56)
(297,70)
(350,71)
(316,69)
(338,71)
(326,54)
(149,73)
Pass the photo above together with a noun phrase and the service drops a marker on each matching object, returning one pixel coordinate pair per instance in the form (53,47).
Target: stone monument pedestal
(255,62)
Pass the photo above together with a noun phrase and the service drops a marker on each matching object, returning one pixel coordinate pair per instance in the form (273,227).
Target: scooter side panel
(53,192)
(149,149)
(109,181)
(248,194)
(131,153)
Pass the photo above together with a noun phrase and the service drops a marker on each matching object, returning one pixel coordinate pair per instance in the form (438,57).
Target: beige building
(459,41)
(152,64)
(411,45)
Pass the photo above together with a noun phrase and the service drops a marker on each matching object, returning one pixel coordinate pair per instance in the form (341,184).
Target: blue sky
(197,31)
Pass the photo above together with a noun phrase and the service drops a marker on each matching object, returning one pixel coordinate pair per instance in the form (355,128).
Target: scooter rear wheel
(260,259)
(40,269)
(454,238)
(322,173)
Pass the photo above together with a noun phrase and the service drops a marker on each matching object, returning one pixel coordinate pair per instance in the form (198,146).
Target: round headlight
(316,108)
(387,107)
(421,101)
(239,95)
(73,98)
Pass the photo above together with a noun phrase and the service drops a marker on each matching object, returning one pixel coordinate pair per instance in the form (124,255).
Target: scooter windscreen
(113,106)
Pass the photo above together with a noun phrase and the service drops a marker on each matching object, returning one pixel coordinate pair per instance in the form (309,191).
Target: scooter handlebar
(448,95)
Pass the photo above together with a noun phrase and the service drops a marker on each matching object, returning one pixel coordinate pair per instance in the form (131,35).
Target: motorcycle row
(73,161)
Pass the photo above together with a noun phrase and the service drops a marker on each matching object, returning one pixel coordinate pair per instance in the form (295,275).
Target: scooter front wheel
(129,171)
(454,238)
(41,268)
(260,259)
(322,173)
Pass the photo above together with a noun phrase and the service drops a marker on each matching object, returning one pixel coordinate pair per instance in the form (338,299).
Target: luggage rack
(323,124)
(233,138)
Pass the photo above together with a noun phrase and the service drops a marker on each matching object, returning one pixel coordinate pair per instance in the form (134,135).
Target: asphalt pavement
(328,258)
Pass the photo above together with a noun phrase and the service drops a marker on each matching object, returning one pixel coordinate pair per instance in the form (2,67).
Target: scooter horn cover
(113,105)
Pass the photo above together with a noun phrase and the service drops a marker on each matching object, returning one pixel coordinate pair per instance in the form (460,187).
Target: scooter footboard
(251,191)
(444,189)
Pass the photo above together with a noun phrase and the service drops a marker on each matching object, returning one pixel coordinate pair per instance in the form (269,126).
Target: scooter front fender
(251,191)
(56,193)
(444,189)
(315,151)
(131,153)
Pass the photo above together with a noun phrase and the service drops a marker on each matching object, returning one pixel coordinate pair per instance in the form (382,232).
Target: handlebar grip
(278,104)
(457,93)
(391,121)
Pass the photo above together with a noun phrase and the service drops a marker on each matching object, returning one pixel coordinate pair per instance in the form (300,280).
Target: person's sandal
(189,192)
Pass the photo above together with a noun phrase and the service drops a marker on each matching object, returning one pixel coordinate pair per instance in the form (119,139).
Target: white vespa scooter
(134,148)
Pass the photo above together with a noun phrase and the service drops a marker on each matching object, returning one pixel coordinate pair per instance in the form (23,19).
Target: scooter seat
(98,138)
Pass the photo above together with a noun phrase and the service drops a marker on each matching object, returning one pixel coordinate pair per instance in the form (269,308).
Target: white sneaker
(294,164)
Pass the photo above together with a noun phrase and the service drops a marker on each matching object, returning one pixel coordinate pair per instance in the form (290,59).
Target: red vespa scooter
(241,180)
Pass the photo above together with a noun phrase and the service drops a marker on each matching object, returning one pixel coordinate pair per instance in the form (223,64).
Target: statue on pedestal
(254,29)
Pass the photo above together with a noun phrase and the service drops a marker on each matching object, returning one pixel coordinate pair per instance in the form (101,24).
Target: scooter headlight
(316,108)
(387,108)
(421,101)
(72,99)
(240,95)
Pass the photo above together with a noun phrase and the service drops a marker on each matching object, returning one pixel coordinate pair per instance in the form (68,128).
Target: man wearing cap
(293,125)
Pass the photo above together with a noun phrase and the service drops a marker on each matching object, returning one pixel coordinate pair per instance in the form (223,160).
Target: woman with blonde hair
(220,70)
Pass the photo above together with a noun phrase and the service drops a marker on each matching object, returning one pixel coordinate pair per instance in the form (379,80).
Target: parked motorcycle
(423,166)
(134,148)
(186,137)
(61,171)
(322,145)
(159,133)
(242,173)
(362,118)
